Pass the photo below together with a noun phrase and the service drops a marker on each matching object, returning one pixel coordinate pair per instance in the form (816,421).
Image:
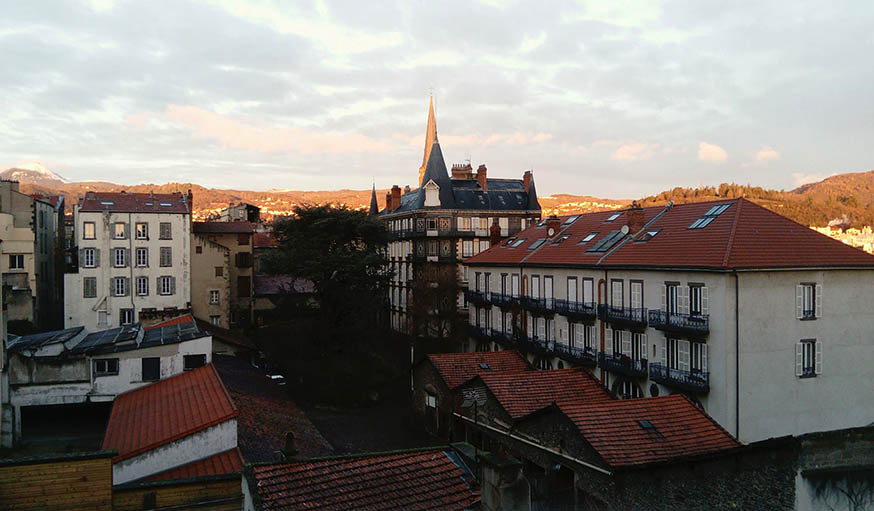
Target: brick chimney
(462,171)
(395,197)
(494,233)
(289,449)
(635,218)
(481,178)
(388,202)
(554,223)
(406,189)
(526,180)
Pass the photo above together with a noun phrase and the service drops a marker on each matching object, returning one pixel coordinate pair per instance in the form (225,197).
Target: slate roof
(36,341)
(410,480)
(744,236)
(458,368)
(523,392)
(679,429)
(227,462)
(222,227)
(132,337)
(165,411)
(134,202)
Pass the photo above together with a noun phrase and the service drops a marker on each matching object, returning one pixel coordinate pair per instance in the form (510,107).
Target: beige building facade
(225,296)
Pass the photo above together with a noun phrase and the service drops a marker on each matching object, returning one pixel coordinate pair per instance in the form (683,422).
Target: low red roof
(54,200)
(523,392)
(265,240)
(134,202)
(679,429)
(168,410)
(227,462)
(178,320)
(457,368)
(743,236)
(222,227)
(413,480)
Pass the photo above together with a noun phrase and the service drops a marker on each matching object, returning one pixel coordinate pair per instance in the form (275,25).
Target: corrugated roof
(414,480)
(222,227)
(458,368)
(36,341)
(134,202)
(157,414)
(227,462)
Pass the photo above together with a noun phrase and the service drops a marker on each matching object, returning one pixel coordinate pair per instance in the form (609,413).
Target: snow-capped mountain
(33,173)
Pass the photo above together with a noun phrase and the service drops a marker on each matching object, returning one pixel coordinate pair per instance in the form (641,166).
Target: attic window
(607,242)
(560,239)
(647,425)
(518,242)
(710,216)
(106,203)
(167,204)
(542,223)
(483,365)
(588,237)
(510,240)
(612,217)
(150,204)
(648,235)
(570,220)
(537,244)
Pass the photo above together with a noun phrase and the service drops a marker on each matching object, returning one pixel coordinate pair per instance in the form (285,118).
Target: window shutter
(703,348)
(818,360)
(126,252)
(818,299)
(158,289)
(126,231)
(81,257)
(126,284)
(608,340)
(799,303)
(665,351)
(96,257)
(664,298)
(705,301)
(684,299)
(683,355)
(626,343)
(799,358)
(172,285)
(643,346)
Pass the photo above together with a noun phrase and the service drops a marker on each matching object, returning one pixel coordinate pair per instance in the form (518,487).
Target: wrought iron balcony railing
(583,356)
(624,315)
(622,364)
(676,322)
(692,381)
(539,306)
(503,301)
(477,297)
(581,310)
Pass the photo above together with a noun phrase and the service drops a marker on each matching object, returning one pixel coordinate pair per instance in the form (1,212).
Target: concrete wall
(83,311)
(240,306)
(202,444)
(204,280)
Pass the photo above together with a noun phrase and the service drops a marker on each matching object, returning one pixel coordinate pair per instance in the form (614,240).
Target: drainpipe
(602,300)
(130,263)
(736,356)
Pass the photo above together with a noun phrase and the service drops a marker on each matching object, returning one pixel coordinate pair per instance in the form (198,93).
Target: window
(118,257)
(166,231)
(616,300)
(463,223)
(166,285)
(126,317)
(219,271)
(215,320)
(118,230)
(808,301)
(484,245)
(244,259)
(142,286)
(588,237)
(198,249)
(677,356)
(89,287)
(244,286)
(698,300)
(698,357)
(518,242)
(612,217)
(142,231)
(430,400)
(151,369)
(670,302)
(16,261)
(808,358)
(433,247)
(214,296)
(89,231)
(242,239)
(190,362)
(142,257)
(102,318)
(105,366)
(569,220)
(709,216)
(629,390)
(445,222)
(467,248)
(607,242)
(537,244)
(119,286)
(432,223)
(636,294)
(89,257)
(166,257)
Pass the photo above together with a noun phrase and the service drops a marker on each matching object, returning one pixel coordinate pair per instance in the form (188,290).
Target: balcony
(477,297)
(537,346)
(480,333)
(538,306)
(622,364)
(575,354)
(503,301)
(691,381)
(680,323)
(631,317)
(504,338)
(585,311)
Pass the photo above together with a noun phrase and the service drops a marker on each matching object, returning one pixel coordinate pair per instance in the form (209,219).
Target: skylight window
(166,204)
(589,237)
(648,235)
(560,239)
(509,240)
(542,223)
(607,242)
(645,424)
(570,220)
(518,242)
(612,217)
(537,244)
(106,203)
(483,365)
(710,216)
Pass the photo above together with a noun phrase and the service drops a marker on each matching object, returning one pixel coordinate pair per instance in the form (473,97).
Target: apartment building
(763,322)
(241,212)
(222,283)
(49,259)
(134,253)
(447,219)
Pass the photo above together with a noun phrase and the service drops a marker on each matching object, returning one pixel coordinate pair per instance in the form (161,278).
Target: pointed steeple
(374,206)
(430,138)
(437,172)
(533,204)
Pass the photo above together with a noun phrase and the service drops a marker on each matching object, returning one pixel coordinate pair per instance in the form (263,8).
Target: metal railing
(478,297)
(622,364)
(585,356)
(538,305)
(674,321)
(577,309)
(502,300)
(627,315)
(693,381)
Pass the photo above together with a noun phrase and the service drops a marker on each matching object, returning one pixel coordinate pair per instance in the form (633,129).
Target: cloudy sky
(597,99)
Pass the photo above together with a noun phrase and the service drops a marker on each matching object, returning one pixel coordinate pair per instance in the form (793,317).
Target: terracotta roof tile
(162,412)
(265,240)
(679,429)
(222,227)
(227,462)
(178,320)
(457,368)
(134,202)
(522,393)
(415,480)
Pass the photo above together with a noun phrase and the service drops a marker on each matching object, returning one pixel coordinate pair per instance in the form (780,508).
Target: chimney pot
(289,449)
(395,197)
(494,233)
(526,180)
(635,218)
(481,177)
(388,202)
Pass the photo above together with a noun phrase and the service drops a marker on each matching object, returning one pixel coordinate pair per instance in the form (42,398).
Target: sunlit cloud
(711,152)
(635,152)
(801,178)
(766,154)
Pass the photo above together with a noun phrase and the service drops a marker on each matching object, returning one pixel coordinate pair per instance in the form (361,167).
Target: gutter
(736,356)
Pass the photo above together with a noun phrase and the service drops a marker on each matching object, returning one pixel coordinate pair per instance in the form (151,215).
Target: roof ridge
(412,450)
(727,257)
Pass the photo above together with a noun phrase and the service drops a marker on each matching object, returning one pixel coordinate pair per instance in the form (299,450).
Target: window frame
(17,258)
(150,360)
(107,364)
(200,357)
(85,226)
(144,235)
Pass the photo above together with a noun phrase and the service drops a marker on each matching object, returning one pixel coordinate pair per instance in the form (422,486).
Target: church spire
(374,206)
(430,138)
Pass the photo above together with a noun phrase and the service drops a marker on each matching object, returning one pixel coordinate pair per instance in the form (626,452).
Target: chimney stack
(406,189)
(289,450)
(553,223)
(395,197)
(388,202)
(526,180)
(635,218)
(494,233)
(481,178)
(462,171)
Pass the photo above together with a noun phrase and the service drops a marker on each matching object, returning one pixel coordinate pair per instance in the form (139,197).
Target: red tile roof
(168,410)
(227,462)
(744,236)
(134,202)
(265,240)
(680,429)
(54,200)
(412,480)
(523,392)
(178,320)
(222,227)
(457,368)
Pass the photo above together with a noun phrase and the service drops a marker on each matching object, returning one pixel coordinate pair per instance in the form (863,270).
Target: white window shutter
(703,348)
(608,340)
(818,301)
(626,343)
(664,298)
(799,302)
(665,351)
(705,301)
(818,360)
(683,355)
(799,359)
(643,347)
(684,299)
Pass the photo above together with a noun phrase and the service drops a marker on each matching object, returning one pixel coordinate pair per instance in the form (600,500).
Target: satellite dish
(625,229)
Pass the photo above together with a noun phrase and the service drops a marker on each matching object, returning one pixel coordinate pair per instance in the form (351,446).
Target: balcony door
(588,290)
(547,290)
(572,289)
(514,279)
(636,295)
(535,286)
